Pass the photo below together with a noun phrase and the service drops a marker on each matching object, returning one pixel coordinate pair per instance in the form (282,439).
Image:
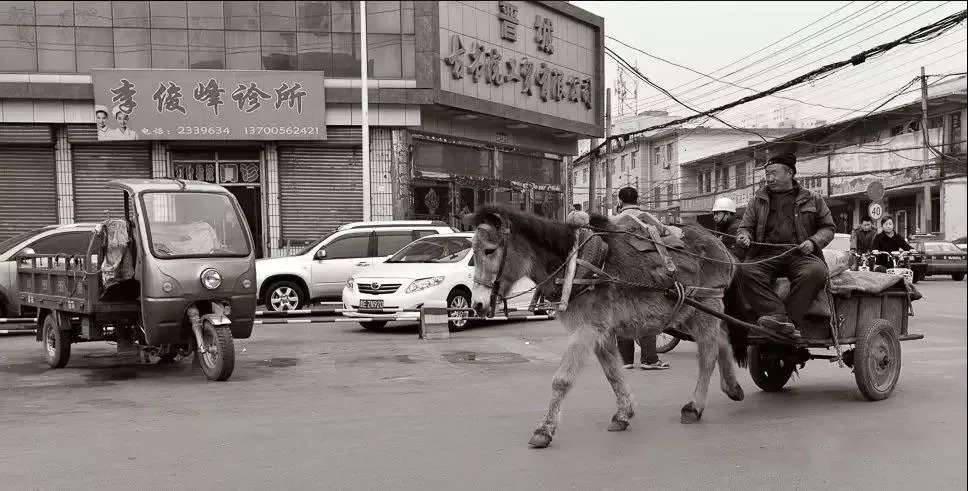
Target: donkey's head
(497,265)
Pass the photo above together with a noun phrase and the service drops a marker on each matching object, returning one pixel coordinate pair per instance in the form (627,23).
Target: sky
(717,38)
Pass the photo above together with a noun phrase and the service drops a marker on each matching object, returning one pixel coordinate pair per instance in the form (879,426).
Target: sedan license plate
(371,304)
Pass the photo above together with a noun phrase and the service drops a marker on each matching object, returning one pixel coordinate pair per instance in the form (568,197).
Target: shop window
(383,17)
(278,15)
(635,156)
(314,51)
(344,19)
(205,15)
(18,48)
(669,194)
(383,55)
(241,15)
(55,13)
(278,50)
(130,14)
(206,49)
(168,48)
(131,48)
(242,50)
(346,55)
(452,159)
(168,15)
(314,17)
(95,47)
(56,49)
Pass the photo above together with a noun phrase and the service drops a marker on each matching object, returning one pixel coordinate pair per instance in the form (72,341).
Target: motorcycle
(863,261)
(900,261)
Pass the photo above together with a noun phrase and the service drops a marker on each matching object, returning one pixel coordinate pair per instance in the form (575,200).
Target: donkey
(509,245)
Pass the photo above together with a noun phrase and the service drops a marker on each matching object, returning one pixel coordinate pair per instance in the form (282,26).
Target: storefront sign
(209,105)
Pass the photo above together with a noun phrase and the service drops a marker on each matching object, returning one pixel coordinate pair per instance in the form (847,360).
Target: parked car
(962,243)
(435,268)
(52,239)
(320,270)
(942,258)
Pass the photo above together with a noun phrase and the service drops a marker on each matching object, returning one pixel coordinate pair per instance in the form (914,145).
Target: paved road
(335,407)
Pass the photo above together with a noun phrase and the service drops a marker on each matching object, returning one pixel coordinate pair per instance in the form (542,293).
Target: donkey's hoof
(618,425)
(540,439)
(689,414)
(736,393)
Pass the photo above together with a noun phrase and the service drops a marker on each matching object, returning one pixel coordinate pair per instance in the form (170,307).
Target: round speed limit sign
(876,211)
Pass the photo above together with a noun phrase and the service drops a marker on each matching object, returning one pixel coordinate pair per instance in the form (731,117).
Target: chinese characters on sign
(188,105)
(509,21)
(544,34)
(553,84)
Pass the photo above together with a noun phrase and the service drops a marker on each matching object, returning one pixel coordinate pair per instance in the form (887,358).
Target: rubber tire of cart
(867,354)
(225,363)
(62,343)
(958,276)
(767,375)
(374,325)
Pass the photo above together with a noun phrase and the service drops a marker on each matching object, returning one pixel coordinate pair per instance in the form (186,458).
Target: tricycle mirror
(321,254)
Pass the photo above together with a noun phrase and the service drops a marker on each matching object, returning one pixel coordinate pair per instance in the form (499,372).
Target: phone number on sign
(203,130)
(281,130)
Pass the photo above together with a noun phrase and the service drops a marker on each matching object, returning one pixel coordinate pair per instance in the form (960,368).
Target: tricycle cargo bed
(61,282)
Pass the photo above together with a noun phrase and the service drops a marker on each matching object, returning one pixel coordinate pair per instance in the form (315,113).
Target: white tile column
(381,174)
(270,190)
(64,175)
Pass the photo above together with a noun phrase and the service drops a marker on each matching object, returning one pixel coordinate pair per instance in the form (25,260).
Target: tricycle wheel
(877,360)
(770,369)
(665,342)
(57,343)
(218,361)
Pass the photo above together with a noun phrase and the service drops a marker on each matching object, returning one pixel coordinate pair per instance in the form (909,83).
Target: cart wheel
(57,343)
(665,342)
(769,368)
(218,361)
(877,360)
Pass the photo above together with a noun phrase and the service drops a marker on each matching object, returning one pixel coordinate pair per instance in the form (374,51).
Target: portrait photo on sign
(121,121)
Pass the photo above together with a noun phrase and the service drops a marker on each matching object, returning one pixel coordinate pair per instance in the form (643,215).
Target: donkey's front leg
(707,343)
(579,344)
(608,356)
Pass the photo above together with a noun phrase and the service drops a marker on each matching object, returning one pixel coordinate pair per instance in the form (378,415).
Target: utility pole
(926,209)
(364,102)
(592,163)
(608,151)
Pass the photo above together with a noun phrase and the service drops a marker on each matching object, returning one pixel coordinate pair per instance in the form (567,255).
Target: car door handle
(363,263)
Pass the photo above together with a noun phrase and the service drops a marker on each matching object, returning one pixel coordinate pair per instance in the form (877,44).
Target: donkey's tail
(738,339)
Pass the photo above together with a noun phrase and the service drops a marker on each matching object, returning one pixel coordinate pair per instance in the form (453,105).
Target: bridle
(495,286)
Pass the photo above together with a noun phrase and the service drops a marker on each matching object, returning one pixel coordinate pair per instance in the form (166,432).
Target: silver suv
(319,271)
(52,239)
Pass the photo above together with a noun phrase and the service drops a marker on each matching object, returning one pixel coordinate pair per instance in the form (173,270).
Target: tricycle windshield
(193,224)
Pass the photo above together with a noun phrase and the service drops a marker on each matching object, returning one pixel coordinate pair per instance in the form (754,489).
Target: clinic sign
(208,105)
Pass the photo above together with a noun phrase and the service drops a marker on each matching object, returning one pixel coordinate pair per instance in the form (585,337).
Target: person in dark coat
(780,216)
(727,225)
(887,241)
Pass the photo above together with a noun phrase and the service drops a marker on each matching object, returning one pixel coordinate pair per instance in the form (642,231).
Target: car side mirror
(321,254)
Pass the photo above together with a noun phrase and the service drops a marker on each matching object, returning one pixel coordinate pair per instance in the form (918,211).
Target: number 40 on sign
(876,211)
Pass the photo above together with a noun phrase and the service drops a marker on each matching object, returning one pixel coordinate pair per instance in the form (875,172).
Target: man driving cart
(785,228)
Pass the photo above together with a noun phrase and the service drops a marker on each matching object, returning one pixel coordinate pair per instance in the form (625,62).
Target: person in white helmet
(724,216)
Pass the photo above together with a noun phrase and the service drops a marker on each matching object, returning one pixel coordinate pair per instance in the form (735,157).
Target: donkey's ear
(491,218)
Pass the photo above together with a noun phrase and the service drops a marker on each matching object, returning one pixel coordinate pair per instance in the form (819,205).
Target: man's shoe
(780,324)
(629,366)
(658,365)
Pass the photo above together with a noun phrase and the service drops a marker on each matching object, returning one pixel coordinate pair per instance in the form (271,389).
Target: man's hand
(806,247)
(743,239)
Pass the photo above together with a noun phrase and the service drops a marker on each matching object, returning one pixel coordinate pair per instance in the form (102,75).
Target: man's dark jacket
(729,239)
(862,241)
(813,219)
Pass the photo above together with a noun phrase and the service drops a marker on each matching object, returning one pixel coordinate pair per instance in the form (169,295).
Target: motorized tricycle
(174,276)
(900,261)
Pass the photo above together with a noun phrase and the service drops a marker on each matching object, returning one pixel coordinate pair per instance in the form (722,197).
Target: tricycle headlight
(424,283)
(211,279)
(350,284)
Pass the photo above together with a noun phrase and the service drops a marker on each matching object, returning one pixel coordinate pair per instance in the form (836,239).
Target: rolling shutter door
(95,165)
(320,188)
(28,189)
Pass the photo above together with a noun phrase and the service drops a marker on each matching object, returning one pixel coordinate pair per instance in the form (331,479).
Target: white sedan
(434,268)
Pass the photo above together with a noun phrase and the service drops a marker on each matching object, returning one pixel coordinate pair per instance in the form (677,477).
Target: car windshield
(940,247)
(434,250)
(16,239)
(194,224)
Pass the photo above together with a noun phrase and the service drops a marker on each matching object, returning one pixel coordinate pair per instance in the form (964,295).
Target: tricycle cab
(192,248)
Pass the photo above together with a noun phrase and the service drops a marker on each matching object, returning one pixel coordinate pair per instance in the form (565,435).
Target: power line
(920,35)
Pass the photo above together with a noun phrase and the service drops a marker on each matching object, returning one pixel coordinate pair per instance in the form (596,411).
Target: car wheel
(458,299)
(283,296)
(958,276)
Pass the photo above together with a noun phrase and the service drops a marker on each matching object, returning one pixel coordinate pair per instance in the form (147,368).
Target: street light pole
(926,209)
(365,103)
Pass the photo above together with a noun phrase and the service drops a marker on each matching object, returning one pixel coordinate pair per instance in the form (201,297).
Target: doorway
(250,200)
